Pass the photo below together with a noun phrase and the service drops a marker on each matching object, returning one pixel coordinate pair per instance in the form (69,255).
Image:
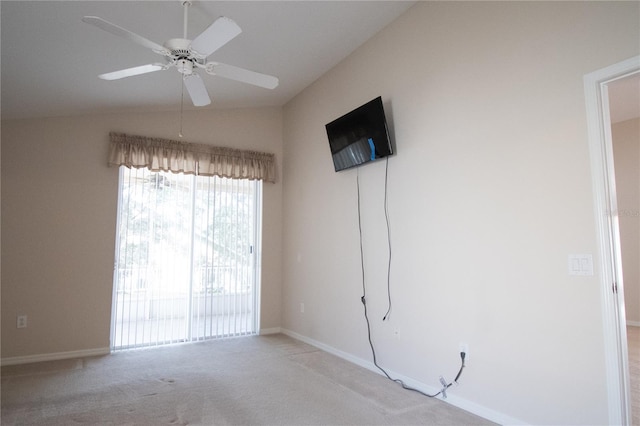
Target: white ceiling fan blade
(240,74)
(129,72)
(197,90)
(124,33)
(215,36)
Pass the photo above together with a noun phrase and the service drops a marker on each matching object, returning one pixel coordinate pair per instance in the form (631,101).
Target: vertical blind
(185,258)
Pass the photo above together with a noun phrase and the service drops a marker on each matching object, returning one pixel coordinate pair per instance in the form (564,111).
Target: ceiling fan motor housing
(181,54)
(178,47)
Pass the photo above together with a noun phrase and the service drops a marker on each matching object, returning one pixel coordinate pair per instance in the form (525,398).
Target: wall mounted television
(360,136)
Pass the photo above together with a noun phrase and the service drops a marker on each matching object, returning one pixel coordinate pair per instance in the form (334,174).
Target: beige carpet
(633,341)
(266,380)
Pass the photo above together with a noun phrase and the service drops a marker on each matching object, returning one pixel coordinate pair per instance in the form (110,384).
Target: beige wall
(626,150)
(59,203)
(489,193)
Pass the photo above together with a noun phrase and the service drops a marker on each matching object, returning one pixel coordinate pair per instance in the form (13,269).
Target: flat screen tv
(359,136)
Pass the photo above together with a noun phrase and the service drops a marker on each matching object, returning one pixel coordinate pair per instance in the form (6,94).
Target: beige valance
(190,158)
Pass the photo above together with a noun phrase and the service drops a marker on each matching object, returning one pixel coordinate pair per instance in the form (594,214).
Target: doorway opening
(624,96)
(607,216)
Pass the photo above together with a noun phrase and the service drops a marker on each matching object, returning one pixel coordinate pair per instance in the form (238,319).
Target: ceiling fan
(187,56)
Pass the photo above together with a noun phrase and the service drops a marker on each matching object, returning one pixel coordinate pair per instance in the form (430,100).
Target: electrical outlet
(21,321)
(464,347)
(302,308)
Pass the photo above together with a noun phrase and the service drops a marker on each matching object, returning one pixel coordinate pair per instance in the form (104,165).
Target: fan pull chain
(181,104)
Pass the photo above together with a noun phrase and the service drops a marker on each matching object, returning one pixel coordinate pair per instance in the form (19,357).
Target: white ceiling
(51,59)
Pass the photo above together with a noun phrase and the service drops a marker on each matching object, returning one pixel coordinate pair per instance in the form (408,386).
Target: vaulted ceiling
(51,58)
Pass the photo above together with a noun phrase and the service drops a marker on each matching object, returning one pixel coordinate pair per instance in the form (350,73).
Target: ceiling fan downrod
(185,20)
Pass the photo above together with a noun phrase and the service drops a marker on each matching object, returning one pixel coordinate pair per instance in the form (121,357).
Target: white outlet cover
(21,321)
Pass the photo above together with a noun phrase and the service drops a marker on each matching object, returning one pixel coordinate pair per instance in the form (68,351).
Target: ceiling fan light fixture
(185,66)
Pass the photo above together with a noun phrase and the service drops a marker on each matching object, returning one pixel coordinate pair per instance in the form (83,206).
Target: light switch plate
(581,264)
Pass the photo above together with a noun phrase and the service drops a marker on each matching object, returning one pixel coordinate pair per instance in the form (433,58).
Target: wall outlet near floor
(21,321)
(302,308)
(464,347)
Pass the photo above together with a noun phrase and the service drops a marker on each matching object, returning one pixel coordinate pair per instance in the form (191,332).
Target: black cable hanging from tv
(386,216)
(363,299)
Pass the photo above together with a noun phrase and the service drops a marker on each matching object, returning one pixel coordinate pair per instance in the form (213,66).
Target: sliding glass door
(185,264)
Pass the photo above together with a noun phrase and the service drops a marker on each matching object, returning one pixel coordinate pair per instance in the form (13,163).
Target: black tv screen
(359,136)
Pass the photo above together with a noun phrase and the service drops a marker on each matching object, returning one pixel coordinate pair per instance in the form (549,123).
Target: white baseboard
(633,323)
(28,359)
(454,400)
(274,330)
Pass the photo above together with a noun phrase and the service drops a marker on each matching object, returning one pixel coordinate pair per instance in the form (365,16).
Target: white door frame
(604,191)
